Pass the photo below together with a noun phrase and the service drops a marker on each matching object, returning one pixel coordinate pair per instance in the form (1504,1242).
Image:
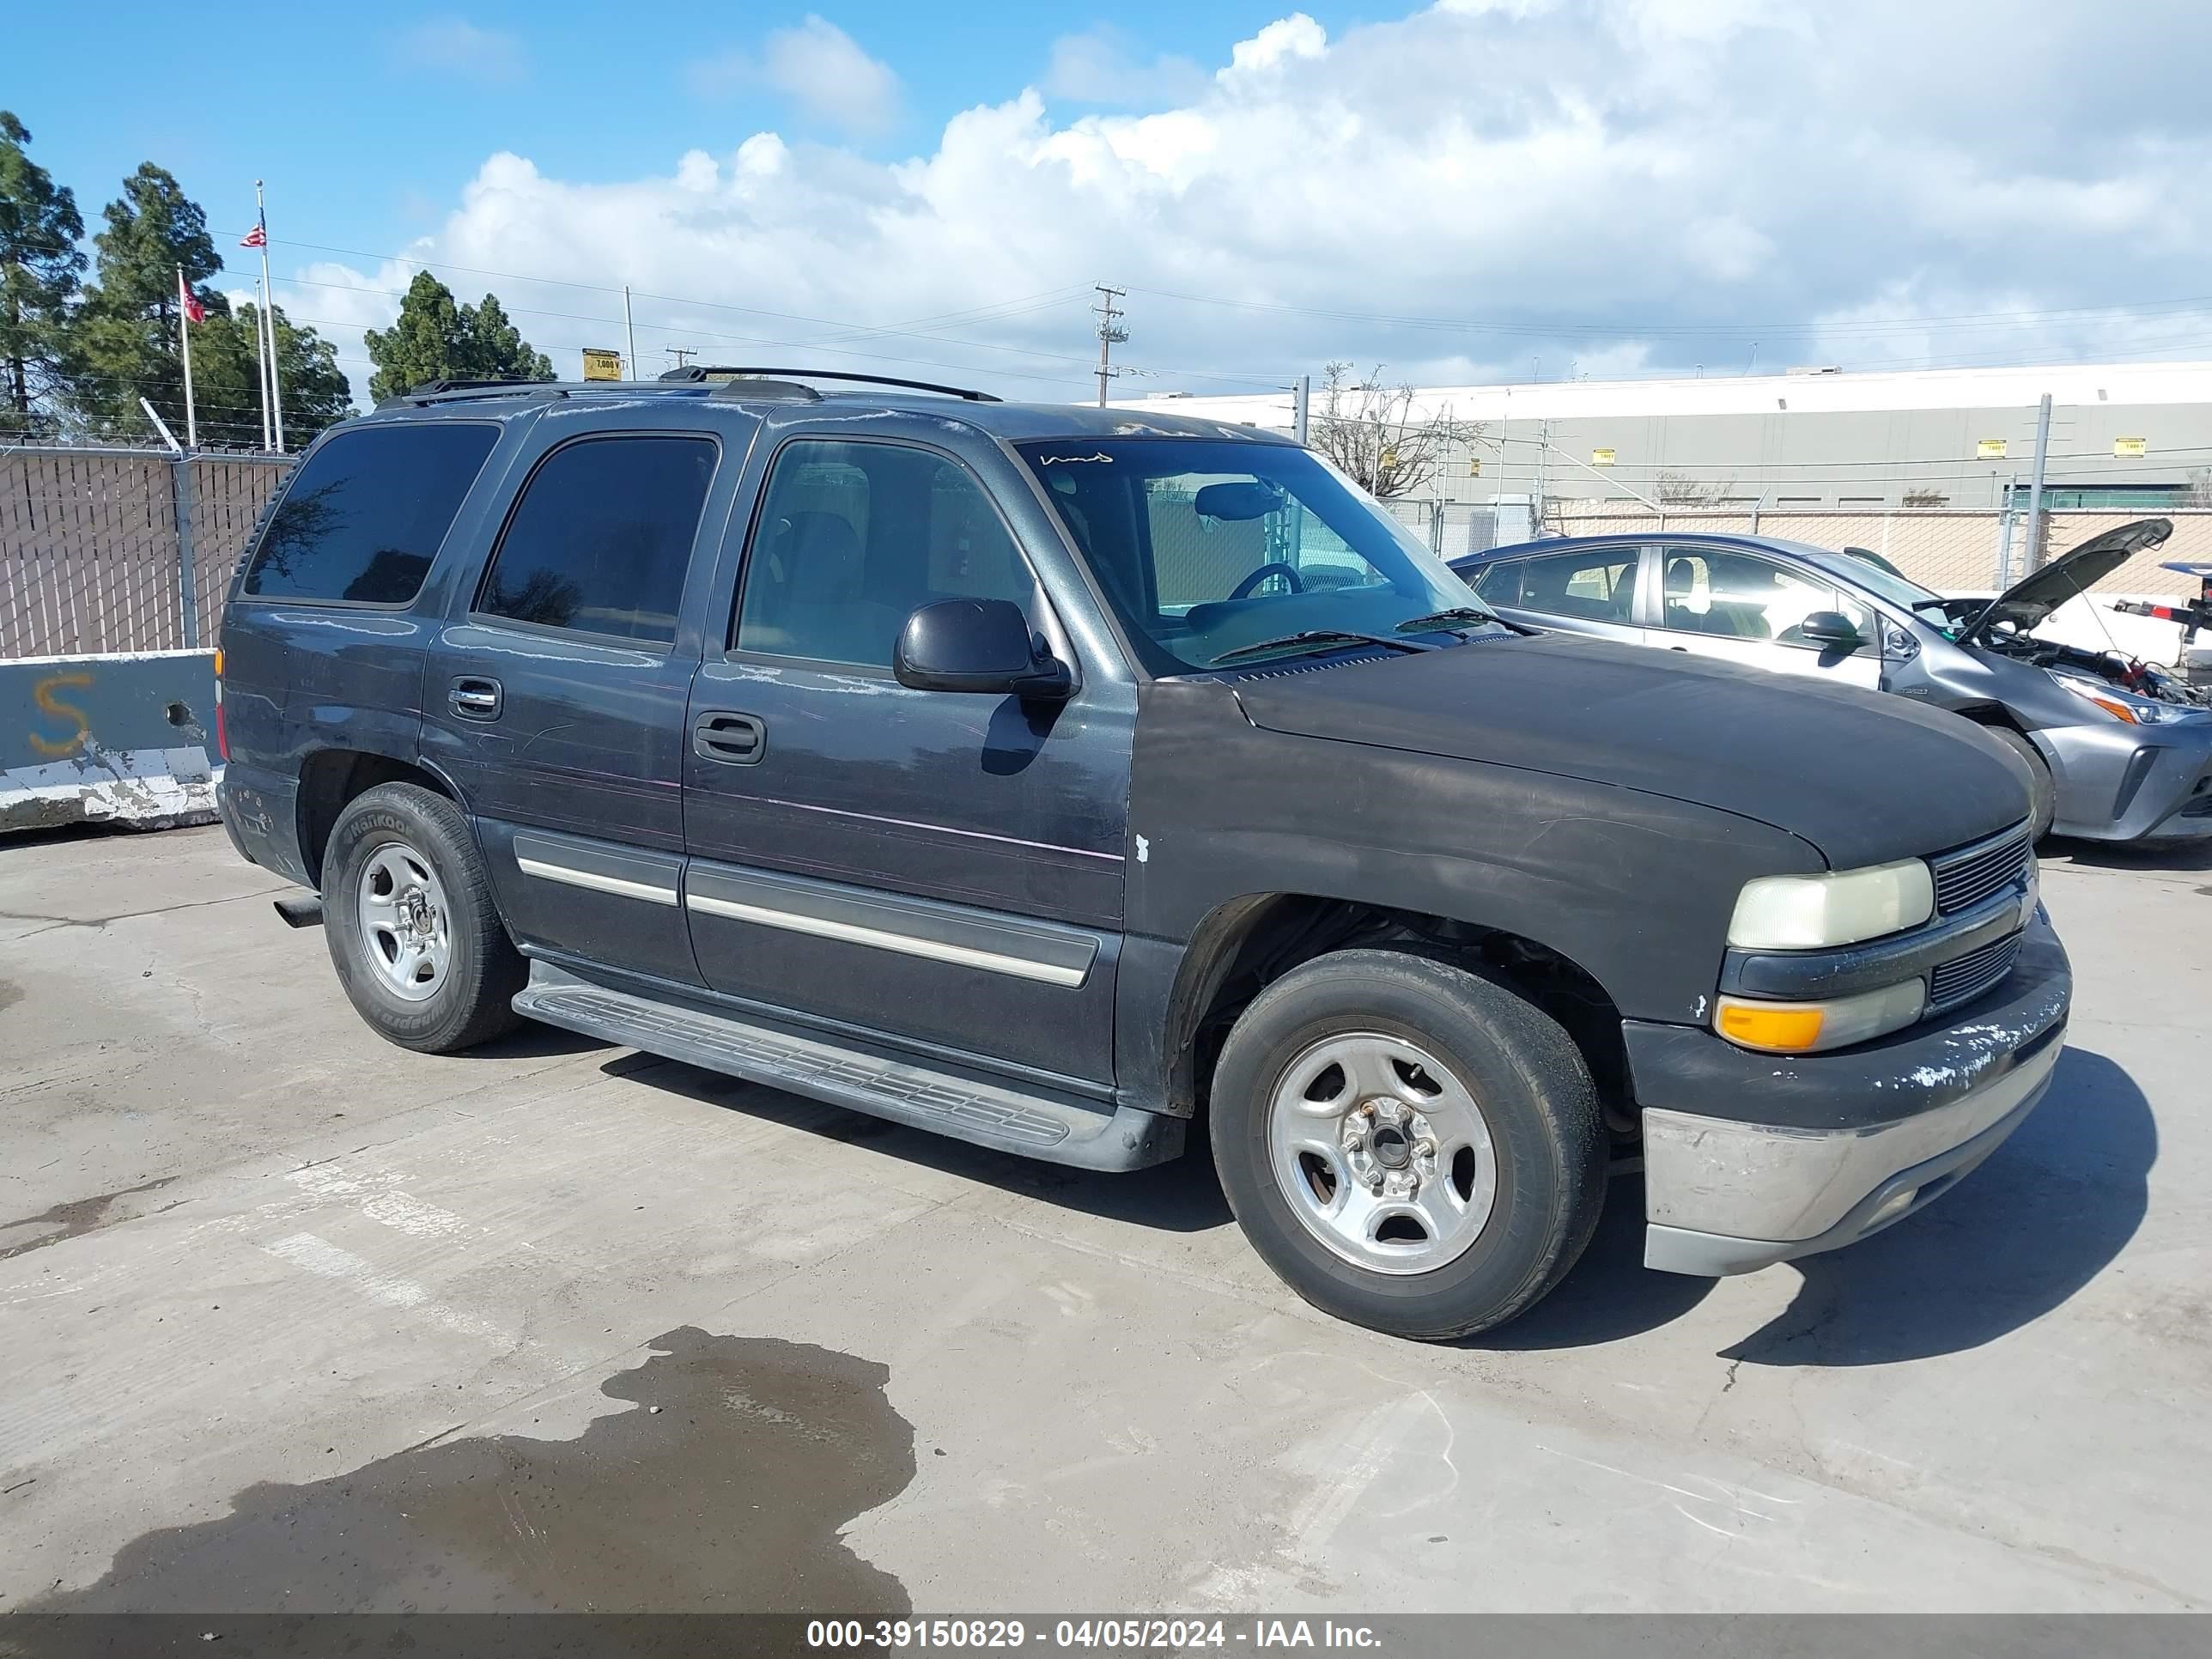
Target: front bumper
(2118,783)
(1750,1159)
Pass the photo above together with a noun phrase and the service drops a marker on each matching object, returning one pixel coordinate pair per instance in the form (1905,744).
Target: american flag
(257,237)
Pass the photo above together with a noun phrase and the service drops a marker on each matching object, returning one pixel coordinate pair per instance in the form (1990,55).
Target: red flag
(257,237)
(194,311)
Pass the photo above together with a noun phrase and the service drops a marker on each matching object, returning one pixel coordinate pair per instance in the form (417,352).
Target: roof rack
(441,391)
(696,373)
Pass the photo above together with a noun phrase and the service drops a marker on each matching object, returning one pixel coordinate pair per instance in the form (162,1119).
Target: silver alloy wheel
(404,924)
(1382,1153)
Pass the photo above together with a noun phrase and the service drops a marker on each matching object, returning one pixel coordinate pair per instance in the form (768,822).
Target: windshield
(1207,547)
(1885,584)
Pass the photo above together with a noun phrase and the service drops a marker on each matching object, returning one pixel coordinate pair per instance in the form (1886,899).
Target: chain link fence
(1452,529)
(107,550)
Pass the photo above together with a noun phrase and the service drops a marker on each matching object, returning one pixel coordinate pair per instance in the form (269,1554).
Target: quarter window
(601,537)
(854,538)
(362,519)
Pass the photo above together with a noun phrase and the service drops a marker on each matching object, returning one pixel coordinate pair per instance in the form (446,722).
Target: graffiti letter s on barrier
(44,693)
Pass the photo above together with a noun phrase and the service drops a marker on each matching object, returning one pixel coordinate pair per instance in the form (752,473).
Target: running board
(994,1115)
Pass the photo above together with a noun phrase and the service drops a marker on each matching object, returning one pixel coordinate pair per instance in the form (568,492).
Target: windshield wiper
(1442,619)
(1317,637)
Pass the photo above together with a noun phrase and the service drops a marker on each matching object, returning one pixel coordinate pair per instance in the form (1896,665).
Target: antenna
(1110,334)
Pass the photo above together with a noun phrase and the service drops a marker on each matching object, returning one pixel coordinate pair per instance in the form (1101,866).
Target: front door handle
(477,698)
(723,735)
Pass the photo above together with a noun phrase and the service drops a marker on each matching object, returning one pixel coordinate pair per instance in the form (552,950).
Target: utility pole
(1301,406)
(2034,559)
(630,330)
(1110,334)
(684,355)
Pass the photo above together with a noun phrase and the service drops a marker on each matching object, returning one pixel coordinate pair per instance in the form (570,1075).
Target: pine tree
(434,338)
(122,342)
(39,261)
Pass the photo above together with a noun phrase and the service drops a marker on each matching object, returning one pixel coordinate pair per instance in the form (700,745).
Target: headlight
(1806,1028)
(2122,705)
(1811,913)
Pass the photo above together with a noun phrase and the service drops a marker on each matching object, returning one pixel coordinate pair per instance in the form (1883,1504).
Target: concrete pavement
(292,1319)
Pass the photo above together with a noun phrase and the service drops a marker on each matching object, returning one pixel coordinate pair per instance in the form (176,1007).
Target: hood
(2027,602)
(1864,777)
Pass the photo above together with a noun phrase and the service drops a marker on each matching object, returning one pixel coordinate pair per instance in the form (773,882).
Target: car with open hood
(1076,783)
(2117,748)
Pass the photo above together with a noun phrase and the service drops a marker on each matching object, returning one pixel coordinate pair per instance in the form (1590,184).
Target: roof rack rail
(443,390)
(714,372)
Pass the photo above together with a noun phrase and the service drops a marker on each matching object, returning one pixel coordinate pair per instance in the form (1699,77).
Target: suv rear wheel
(414,932)
(1410,1146)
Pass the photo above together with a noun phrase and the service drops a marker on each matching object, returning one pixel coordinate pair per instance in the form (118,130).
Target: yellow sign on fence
(1991,449)
(1600,457)
(2130,446)
(602,365)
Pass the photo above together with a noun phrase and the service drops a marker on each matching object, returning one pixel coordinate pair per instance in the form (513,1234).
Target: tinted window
(1591,584)
(364,516)
(854,538)
(1741,596)
(602,536)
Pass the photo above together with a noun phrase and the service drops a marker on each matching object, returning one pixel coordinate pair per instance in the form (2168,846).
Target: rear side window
(602,536)
(362,519)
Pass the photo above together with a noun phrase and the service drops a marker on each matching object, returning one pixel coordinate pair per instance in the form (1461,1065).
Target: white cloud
(823,69)
(460,47)
(1102,65)
(1636,183)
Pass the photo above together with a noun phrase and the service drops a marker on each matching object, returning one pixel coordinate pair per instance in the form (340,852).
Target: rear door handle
(477,699)
(735,739)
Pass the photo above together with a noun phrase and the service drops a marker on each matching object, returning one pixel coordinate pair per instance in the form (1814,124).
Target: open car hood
(2028,602)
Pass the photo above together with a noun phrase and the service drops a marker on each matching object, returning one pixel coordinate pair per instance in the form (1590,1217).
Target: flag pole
(185,346)
(268,297)
(261,362)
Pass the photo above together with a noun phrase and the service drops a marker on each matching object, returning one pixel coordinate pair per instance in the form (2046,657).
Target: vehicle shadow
(2184,855)
(1607,1295)
(1181,1197)
(531,1041)
(2015,1240)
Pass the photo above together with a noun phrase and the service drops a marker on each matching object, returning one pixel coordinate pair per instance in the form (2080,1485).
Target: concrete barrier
(123,739)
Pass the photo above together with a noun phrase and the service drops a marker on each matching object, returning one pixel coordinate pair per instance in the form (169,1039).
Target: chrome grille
(1966,977)
(1965,877)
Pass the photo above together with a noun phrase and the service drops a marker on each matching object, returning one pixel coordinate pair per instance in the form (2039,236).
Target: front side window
(601,537)
(362,519)
(1209,546)
(852,539)
(1741,596)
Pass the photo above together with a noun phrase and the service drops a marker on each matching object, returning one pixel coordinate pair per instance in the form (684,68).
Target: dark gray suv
(1056,779)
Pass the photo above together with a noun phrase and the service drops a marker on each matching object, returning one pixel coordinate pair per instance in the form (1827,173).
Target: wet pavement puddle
(723,1490)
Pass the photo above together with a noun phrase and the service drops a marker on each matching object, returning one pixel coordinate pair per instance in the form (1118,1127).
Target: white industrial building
(2122,436)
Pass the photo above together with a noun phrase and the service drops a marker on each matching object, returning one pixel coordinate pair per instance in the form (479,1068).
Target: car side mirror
(978,645)
(1830,631)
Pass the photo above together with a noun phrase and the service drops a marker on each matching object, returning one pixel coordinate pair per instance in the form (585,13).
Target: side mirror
(1830,631)
(977,645)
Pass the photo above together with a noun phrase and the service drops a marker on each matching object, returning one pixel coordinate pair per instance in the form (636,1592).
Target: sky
(1472,191)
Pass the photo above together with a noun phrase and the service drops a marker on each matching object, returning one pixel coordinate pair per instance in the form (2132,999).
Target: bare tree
(2197,492)
(1679,490)
(1921,495)
(1370,431)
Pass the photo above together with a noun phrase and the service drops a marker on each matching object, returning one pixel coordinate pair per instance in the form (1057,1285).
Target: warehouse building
(2124,437)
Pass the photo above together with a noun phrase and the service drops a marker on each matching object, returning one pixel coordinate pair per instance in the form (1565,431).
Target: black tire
(2042,789)
(1526,1076)
(483,970)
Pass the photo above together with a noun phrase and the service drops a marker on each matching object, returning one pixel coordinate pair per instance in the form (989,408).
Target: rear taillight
(221,736)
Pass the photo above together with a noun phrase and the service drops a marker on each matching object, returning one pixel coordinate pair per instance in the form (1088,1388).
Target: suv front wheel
(414,931)
(1408,1145)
